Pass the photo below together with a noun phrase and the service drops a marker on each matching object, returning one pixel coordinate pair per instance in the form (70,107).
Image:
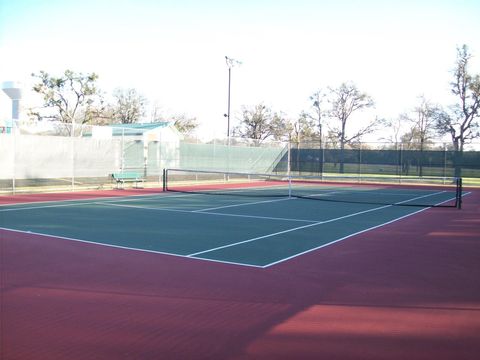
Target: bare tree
(182,122)
(315,115)
(422,130)
(346,100)
(129,106)
(396,125)
(460,120)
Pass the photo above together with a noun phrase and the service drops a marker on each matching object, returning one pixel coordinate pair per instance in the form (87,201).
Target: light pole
(230,64)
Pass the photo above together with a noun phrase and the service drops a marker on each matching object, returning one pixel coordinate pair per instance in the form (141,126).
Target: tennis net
(411,191)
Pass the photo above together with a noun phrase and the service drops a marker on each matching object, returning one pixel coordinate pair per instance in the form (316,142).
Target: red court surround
(409,290)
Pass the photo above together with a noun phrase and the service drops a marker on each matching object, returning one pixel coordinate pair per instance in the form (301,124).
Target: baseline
(124,247)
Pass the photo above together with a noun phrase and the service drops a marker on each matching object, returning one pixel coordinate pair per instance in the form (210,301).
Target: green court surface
(244,230)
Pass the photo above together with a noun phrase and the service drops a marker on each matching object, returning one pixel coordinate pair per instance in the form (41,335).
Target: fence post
(360,161)
(401,163)
(159,155)
(444,162)
(323,161)
(289,157)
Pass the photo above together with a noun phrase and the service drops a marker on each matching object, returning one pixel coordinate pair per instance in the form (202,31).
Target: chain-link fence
(382,159)
(61,162)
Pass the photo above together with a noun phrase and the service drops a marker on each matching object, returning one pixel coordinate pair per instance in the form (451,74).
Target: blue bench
(127,176)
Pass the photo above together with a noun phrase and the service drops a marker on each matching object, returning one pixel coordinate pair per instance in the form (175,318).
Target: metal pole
(230,63)
(228,117)
(228,109)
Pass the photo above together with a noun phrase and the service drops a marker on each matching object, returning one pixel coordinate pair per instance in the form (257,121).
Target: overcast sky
(173,52)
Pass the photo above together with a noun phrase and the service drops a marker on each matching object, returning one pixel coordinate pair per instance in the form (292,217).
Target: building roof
(136,129)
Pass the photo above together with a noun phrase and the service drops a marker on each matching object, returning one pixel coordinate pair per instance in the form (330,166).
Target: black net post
(459,193)
(164,180)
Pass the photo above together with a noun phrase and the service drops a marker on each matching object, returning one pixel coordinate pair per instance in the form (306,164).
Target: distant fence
(399,162)
(52,163)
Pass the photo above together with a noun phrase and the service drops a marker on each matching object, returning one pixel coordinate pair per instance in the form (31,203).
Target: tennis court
(236,266)
(243,219)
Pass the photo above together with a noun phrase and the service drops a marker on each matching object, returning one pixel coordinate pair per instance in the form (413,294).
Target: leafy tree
(129,106)
(184,124)
(302,130)
(280,127)
(70,98)
(260,123)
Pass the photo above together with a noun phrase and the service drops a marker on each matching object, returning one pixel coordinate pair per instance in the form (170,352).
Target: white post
(72,139)
(14,134)
(289,154)
(122,160)
(288,169)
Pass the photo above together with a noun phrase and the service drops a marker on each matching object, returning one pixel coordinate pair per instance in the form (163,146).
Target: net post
(459,193)
(164,180)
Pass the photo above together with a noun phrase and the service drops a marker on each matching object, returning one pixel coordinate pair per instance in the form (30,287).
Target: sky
(173,51)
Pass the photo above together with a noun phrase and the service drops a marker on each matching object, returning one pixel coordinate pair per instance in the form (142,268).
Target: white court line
(67,203)
(125,247)
(357,233)
(93,200)
(343,238)
(205,213)
(46,206)
(286,231)
(243,204)
(206,259)
(75,202)
(309,225)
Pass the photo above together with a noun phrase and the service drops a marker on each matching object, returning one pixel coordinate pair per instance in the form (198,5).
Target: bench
(129,176)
